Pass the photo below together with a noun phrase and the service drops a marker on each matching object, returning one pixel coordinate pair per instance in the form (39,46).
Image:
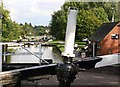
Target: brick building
(107,38)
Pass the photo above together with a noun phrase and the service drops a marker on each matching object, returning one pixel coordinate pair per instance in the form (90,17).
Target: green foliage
(41,30)
(26,30)
(88,21)
(90,16)
(58,24)
(10,30)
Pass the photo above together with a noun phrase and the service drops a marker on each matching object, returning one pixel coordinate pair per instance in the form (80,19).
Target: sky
(37,12)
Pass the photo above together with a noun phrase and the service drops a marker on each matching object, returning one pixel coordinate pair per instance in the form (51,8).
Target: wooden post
(8,77)
(40,53)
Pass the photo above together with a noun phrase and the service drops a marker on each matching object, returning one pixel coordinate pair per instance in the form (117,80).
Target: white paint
(70,33)
(108,60)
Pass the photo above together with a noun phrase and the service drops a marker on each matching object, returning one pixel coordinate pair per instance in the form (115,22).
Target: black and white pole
(67,70)
(70,33)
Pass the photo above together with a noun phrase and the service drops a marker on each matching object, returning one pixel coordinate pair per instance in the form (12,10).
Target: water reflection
(48,52)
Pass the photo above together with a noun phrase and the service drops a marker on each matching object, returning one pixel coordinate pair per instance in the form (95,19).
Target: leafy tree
(40,30)
(10,30)
(58,24)
(0,20)
(90,16)
(27,29)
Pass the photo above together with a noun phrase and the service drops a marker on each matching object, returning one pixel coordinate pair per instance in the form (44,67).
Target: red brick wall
(108,45)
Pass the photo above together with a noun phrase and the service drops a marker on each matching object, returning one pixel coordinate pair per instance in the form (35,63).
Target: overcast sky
(37,12)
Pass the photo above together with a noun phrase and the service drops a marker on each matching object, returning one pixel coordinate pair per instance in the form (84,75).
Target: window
(114,36)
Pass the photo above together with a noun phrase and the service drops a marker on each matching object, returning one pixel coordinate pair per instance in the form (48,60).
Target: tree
(40,30)
(90,16)
(89,21)
(1,16)
(58,24)
(10,30)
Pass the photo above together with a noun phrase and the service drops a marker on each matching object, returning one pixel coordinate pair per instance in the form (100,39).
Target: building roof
(102,31)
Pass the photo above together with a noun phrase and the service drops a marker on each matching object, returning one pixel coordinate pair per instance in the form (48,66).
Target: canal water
(22,56)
